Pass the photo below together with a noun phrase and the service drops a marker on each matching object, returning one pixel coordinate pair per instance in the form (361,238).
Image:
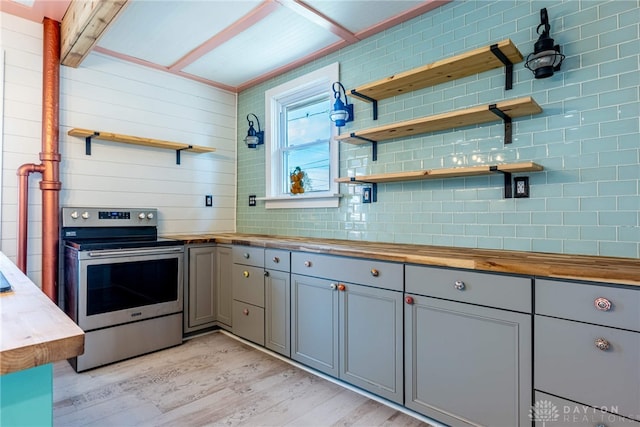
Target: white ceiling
(235,44)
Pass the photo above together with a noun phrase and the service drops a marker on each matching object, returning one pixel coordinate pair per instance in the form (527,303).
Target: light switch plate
(521,186)
(208,200)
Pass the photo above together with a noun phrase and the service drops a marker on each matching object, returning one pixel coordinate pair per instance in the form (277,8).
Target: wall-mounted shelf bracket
(508,190)
(374,145)
(87,143)
(374,187)
(508,66)
(189,147)
(507,122)
(374,102)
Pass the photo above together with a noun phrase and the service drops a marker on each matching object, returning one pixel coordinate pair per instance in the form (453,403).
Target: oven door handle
(156,251)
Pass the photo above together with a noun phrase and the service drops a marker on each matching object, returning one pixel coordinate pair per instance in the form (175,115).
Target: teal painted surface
(26,397)
(585,202)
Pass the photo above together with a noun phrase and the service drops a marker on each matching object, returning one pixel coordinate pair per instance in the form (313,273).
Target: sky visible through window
(308,136)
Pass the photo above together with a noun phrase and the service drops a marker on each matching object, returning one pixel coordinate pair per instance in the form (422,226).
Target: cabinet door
(314,323)
(224,300)
(277,300)
(466,364)
(202,274)
(371,340)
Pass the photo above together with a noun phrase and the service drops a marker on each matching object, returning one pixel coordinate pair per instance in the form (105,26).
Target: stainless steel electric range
(121,283)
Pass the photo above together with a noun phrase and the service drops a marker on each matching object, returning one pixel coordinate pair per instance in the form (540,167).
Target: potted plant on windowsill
(297,178)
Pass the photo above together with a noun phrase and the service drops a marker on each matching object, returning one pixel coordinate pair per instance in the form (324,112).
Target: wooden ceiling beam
(83,24)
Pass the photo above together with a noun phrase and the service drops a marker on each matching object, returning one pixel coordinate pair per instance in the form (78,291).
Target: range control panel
(108,217)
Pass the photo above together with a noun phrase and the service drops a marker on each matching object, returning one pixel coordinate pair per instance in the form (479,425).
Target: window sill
(301,201)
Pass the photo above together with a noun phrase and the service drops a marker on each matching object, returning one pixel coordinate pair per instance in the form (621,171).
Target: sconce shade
(546,57)
(342,112)
(254,138)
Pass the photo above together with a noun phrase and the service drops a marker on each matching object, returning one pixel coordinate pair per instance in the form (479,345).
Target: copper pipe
(49,167)
(50,157)
(23,212)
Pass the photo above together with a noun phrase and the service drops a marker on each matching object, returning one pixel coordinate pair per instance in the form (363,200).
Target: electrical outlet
(521,186)
(252,200)
(366,195)
(208,200)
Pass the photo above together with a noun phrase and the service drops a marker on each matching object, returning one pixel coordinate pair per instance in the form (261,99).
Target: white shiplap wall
(110,95)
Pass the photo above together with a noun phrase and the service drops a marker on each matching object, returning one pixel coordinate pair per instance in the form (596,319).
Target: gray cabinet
(348,330)
(466,364)
(314,323)
(370,322)
(248,293)
(587,345)
(223,283)
(200,298)
(277,301)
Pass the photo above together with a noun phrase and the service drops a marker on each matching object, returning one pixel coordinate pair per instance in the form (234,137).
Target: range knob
(150,215)
(141,215)
(75,214)
(85,215)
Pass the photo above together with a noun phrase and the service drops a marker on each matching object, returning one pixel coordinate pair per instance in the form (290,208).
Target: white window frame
(304,86)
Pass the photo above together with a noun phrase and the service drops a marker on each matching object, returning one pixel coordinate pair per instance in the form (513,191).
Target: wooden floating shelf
(502,54)
(147,142)
(506,169)
(471,116)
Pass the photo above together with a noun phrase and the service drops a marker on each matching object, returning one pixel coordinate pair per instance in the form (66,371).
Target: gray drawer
(248,255)
(577,301)
(569,364)
(277,259)
(381,274)
(248,322)
(491,290)
(248,284)
(564,413)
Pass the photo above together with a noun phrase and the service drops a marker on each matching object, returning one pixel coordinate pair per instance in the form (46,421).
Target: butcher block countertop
(33,330)
(579,267)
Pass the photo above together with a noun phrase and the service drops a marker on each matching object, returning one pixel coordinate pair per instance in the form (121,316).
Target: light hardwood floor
(211,380)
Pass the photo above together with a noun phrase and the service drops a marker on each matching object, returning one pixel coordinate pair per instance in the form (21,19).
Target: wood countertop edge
(624,271)
(34,330)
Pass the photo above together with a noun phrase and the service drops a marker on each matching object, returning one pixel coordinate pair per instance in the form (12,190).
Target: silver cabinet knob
(307,263)
(276,259)
(459,285)
(602,304)
(375,272)
(602,344)
(246,255)
(333,286)
(266,274)
(245,311)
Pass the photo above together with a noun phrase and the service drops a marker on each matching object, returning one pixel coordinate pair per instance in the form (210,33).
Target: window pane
(313,159)
(307,143)
(309,122)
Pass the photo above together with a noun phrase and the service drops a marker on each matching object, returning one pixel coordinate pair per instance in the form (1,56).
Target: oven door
(122,286)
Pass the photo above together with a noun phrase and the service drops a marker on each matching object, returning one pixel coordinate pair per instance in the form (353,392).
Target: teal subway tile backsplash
(586,201)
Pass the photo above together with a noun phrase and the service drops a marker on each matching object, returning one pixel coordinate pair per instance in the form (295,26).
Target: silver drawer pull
(307,263)
(602,344)
(246,255)
(374,272)
(276,259)
(459,285)
(333,286)
(602,304)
